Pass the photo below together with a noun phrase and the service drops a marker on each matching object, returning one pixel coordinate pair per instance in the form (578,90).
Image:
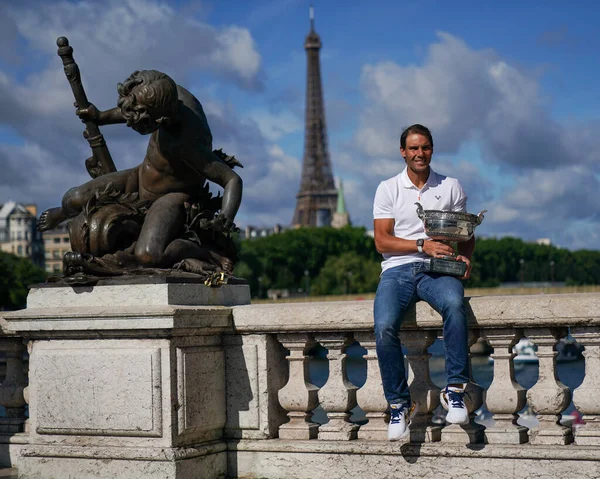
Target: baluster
(12,388)
(370,397)
(548,397)
(586,397)
(298,397)
(505,397)
(338,396)
(422,390)
(473,432)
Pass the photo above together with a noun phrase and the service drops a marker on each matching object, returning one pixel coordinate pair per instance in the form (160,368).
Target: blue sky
(508,88)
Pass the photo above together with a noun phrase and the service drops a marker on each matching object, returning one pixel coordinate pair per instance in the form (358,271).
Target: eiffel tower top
(312,39)
(317,198)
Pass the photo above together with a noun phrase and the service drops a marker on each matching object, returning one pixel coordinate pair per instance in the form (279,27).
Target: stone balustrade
(500,321)
(234,384)
(13,398)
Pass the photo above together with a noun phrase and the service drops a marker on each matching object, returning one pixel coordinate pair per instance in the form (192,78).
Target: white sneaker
(400,416)
(453,400)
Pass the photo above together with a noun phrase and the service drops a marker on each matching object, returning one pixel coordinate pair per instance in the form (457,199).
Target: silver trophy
(449,227)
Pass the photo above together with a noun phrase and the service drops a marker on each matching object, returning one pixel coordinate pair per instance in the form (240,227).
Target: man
(178,160)
(400,237)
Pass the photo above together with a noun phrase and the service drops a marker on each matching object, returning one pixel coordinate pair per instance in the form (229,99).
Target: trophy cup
(448,227)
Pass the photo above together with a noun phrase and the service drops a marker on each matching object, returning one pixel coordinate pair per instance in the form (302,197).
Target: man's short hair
(415,129)
(147,93)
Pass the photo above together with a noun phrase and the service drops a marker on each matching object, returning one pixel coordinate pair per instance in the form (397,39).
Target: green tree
(347,273)
(16,274)
(280,261)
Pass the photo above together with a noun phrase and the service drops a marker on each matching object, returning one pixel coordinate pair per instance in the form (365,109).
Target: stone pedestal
(125,381)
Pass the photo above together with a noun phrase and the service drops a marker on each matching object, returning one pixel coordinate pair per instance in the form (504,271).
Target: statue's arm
(108,117)
(215,170)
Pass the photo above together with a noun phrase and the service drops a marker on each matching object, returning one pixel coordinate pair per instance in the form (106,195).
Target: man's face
(417,153)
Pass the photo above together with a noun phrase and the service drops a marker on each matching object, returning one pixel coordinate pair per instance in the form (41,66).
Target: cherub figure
(178,160)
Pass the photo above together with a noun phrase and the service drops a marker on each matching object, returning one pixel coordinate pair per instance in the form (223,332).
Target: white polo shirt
(395,198)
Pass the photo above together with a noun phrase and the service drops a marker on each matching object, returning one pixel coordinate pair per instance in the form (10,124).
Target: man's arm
(386,242)
(465,251)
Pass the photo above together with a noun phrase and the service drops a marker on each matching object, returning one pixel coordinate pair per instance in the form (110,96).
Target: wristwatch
(420,242)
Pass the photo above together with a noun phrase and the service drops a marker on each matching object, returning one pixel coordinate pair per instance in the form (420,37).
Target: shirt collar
(431,181)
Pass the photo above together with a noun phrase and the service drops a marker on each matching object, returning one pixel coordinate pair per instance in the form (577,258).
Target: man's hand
(437,249)
(91,114)
(468,261)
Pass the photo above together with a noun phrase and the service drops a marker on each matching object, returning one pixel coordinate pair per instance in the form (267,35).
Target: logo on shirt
(438,197)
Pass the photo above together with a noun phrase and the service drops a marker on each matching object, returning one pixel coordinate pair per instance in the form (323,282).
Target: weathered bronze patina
(160,216)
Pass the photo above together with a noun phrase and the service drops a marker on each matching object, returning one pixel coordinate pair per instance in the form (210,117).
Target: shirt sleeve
(383,205)
(460,201)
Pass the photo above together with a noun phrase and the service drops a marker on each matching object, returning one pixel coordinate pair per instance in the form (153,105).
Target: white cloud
(275,125)
(460,94)
(236,53)
(110,40)
(469,96)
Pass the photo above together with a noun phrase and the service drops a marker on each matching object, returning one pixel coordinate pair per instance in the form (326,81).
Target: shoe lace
(457,399)
(396,413)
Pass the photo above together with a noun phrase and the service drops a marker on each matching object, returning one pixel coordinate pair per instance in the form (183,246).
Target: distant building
(18,232)
(341,217)
(56,244)
(251,232)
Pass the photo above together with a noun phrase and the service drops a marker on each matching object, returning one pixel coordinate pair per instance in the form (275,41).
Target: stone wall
(154,388)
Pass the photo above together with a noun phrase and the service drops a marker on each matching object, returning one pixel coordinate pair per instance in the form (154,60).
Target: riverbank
(469,292)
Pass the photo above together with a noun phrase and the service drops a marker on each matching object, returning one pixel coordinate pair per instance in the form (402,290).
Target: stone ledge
(581,309)
(159,294)
(365,447)
(118,321)
(124,453)
(523,451)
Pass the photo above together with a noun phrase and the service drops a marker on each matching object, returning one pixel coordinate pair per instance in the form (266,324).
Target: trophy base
(447,266)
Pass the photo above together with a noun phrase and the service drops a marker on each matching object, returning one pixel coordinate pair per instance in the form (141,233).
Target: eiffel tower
(317,199)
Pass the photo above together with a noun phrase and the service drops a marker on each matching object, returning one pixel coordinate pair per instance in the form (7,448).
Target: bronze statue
(160,214)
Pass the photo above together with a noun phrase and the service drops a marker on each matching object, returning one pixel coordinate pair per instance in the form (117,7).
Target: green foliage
(280,261)
(15,275)
(328,254)
(348,273)
(511,260)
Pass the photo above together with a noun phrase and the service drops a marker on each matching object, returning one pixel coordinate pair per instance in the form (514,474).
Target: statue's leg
(182,249)
(158,244)
(76,198)
(163,223)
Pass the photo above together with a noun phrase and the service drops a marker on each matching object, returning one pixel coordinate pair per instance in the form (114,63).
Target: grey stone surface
(187,294)
(397,465)
(489,311)
(381,459)
(124,391)
(256,370)
(111,466)
(114,321)
(149,391)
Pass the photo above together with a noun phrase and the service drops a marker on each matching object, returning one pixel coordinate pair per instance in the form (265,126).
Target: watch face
(420,242)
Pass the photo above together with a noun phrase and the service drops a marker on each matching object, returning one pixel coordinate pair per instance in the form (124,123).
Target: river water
(570,373)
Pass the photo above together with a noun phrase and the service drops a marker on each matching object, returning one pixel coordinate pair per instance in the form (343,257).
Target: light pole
(522,263)
(552,272)
(306,282)
(260,280)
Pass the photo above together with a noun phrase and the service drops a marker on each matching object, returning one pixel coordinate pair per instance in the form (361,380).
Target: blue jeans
(398,289)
